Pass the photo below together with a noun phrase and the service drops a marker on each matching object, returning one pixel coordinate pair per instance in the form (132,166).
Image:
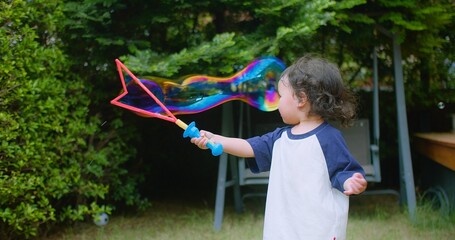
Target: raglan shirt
(305,197)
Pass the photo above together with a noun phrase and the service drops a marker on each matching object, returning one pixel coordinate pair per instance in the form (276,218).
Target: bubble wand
(189,130)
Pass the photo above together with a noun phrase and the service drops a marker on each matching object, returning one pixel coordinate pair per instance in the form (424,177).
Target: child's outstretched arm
(355,184)
(234,146)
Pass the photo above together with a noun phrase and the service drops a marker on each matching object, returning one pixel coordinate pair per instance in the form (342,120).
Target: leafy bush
(56,162)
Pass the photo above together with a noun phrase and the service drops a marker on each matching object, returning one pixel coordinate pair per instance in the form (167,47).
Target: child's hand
(202,141)
(355,184)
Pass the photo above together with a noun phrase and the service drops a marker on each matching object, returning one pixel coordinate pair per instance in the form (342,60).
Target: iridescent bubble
(255,85)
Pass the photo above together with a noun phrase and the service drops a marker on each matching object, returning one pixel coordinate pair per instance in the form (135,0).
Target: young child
(312,172)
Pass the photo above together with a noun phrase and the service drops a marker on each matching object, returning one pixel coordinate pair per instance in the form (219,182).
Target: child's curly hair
(320,82)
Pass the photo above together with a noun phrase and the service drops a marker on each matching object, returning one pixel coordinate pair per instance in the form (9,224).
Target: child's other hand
(202,141)
(355,184)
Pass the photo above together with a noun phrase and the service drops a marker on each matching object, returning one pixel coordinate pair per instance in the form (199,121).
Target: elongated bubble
(255,85)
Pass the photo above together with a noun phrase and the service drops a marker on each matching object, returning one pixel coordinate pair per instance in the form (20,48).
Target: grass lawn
(371,217)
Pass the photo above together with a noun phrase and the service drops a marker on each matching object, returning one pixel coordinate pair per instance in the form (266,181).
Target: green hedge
(57,163)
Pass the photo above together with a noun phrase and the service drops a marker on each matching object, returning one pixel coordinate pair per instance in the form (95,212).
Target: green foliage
(244,31)
(425,30)
(217,37)
(172,64)
(56,163)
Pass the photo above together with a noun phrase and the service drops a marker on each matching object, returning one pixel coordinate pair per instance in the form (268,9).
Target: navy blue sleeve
(341,164)
(263,148)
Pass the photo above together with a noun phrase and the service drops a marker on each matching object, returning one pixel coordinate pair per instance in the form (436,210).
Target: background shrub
(57,161)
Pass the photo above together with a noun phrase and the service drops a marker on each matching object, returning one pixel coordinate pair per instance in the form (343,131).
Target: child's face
(289,104)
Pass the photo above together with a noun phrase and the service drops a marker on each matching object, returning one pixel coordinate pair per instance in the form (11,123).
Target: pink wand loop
(190,131)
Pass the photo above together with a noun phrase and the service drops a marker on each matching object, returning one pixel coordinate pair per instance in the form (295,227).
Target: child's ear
(302,100)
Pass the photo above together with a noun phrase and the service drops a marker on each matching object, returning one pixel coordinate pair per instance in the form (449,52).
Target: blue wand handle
(192,132)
